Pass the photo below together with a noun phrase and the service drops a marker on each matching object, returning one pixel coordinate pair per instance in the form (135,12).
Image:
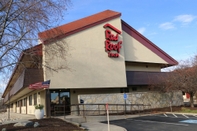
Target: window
(30,100)
(35,99)
(124,90)
(22,102)
(54,98)
(64,98)
(134,88)
(25,101)
(60,97)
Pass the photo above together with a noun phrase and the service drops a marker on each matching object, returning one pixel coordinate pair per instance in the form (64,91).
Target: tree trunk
(191,99)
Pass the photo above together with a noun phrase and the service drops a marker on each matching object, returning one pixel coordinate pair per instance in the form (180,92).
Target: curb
(181,113)
(75,123)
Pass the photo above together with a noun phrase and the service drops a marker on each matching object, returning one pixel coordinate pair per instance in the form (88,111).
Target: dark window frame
(35,99)
(59,92)
(25,101)
(30,100)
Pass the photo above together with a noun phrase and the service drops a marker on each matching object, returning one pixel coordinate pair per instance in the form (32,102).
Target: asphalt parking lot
(159,122)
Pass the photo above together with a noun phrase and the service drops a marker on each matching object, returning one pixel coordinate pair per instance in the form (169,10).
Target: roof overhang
(77,26)
(150,45)
(36,50)
(21,93)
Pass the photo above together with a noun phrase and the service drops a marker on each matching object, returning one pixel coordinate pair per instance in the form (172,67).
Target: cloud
(184,19)
(166,26)
(141,30)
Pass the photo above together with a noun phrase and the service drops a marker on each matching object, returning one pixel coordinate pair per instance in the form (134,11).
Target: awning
(144,78)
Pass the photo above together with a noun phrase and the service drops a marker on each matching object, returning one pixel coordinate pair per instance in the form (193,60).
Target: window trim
(35,99)
(30,100)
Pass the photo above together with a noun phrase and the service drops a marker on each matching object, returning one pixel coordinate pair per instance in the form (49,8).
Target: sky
(169,24)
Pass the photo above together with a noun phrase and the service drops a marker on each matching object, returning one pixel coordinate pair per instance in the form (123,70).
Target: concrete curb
(75,123)
(181,113)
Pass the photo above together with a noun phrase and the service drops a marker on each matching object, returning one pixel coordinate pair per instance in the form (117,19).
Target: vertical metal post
(65,110)
(83,111)
(99,109)
(117,109)
(125,106)
(78,109)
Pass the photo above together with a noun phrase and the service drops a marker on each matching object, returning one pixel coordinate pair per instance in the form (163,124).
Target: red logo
(112,45)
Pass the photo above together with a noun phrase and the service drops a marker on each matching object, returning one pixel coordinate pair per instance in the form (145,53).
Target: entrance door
(65,101)
(60,102)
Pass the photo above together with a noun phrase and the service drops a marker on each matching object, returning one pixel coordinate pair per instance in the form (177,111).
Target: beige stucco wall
(30,108)
(23,110)
(40,100)
(88,63)
(137,52)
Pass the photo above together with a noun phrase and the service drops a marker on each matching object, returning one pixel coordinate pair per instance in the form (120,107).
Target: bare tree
(20,22)
(183,78)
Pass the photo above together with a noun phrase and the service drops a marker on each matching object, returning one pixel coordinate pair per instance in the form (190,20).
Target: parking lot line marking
(194,115)
(185,116)
(165,115)
(176,124)
(174,115)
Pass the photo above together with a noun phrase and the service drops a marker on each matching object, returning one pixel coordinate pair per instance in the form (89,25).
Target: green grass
(187,110)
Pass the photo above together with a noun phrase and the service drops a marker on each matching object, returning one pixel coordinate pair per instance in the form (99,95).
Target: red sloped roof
(78,25)
(147,43)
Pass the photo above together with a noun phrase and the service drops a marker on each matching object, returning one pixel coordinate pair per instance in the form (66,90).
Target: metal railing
(2,107)
(100,109)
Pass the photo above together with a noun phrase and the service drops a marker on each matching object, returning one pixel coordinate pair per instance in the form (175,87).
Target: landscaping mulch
(46,124)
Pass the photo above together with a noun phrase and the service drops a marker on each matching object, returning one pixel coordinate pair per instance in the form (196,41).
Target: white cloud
(141,30)
(184,19)
(166,26)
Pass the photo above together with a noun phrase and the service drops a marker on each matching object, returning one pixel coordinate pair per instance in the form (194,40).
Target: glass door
(65,101)
(60,102)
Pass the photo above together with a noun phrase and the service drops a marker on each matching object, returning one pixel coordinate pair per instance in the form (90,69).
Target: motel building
(106,57)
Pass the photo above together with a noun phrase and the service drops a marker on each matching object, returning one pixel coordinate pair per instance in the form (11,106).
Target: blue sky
(170,24)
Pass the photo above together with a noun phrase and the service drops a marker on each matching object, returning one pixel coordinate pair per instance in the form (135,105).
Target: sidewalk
(14,117)
(92,123)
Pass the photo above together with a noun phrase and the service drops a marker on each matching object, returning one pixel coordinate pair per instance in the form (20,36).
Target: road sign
(125,96)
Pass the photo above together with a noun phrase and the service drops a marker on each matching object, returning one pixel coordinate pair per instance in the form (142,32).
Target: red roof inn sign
(112,44)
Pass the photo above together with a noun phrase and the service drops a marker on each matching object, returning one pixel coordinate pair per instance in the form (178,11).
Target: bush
(39,106)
